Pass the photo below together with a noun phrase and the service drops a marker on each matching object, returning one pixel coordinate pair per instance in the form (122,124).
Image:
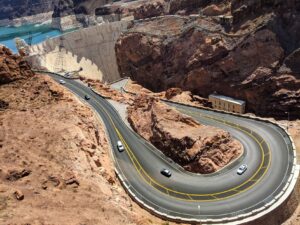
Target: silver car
(120,146)
(242,169)
(62,81)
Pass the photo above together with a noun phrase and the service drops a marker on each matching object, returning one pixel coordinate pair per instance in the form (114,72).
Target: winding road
(268,154)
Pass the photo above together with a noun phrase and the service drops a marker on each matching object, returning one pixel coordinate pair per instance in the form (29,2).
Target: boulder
(19,195)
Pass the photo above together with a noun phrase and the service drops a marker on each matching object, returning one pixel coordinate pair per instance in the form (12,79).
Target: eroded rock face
(12,67)
(187,6)
(20,9)
(197,55)
(241,9)
(198,148)
(142,9)
(151,8)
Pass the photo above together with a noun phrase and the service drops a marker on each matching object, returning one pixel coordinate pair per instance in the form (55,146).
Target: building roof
(228,99)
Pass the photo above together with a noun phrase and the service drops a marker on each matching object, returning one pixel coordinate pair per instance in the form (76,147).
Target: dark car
(166,172)
(87,97)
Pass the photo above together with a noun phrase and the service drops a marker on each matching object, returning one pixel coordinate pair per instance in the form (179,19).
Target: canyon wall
(256,61)
(63,14)
(23,8)
(92,49)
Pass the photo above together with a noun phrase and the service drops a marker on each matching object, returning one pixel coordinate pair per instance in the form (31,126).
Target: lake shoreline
(42,18)
(31,33)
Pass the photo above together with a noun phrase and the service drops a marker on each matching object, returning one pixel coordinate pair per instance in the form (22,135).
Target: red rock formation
(143,9)
(197,55)
(212,10)
(12,67)
(198,148)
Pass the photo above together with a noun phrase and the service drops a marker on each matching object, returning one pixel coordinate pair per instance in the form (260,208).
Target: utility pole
(30,37)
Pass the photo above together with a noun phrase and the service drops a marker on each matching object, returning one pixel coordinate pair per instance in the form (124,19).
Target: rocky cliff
(55,157)
(150,8)
(12,67)
(255,60)
(58,8)
(198,148)
(20,8)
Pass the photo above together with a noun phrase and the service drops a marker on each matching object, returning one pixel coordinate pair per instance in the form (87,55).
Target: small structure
(225,103)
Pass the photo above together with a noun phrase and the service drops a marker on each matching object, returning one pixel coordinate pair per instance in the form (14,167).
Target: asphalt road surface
(268,154)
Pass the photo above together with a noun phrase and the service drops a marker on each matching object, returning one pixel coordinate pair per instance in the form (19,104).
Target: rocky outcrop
(198,55)
(21,12)
(190,6)
(12,67)
(142,9)
(185,97)
(20,8)
(54,157)
(198,148)
(242,9)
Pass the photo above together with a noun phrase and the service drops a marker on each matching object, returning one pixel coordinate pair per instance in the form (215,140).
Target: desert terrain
(55,156)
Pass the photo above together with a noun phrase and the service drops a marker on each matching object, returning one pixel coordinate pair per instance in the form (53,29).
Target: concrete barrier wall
(91,48)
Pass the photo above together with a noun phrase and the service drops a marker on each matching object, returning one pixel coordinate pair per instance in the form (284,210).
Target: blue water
(39,34)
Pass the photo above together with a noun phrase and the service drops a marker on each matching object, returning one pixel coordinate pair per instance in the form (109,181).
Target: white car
(242,169)
(62,81)
(120,146)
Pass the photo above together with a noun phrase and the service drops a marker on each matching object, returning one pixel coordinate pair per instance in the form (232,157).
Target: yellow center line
(152,181)
(189,197)
(214,197)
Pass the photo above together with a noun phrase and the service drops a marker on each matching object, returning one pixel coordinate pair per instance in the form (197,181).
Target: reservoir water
(38,33)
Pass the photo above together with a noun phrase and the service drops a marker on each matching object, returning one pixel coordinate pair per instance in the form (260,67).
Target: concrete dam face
(92,49)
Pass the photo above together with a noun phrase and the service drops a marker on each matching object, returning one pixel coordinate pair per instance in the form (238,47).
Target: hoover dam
(92,49)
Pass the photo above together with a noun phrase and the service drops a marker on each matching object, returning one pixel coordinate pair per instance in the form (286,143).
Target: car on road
(166,172)
(87,97)
(242,169)
(120,146)
(62,81)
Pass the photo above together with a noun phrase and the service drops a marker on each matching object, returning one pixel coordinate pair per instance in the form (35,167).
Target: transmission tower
(29,39)
(59,63)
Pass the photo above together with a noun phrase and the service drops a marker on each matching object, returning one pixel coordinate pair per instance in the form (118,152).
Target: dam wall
(92,49)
